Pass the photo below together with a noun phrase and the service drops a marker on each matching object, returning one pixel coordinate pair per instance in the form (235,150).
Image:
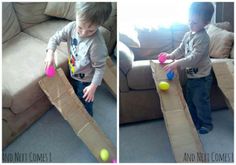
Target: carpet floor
(148,142)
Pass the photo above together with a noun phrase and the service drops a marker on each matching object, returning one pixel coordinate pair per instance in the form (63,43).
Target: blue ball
(170,75)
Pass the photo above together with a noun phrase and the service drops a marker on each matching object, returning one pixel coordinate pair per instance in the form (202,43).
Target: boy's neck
(87,36)
(194,32)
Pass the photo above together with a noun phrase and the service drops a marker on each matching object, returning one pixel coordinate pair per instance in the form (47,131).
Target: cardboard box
(183,136)
(110,77)
(61,94)
(225,78)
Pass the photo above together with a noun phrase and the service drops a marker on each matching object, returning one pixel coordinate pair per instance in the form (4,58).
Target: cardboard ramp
(225,80)
(61,94)
(184,139)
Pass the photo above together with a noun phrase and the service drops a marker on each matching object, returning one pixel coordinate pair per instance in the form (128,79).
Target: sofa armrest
(123,82)
(126,58)
(231,55)
(6,98)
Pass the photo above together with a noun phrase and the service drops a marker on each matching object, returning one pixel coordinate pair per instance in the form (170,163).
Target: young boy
(192,55)
(86,47)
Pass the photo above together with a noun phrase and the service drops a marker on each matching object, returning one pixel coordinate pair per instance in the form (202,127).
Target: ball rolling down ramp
(62,96)
(182,134)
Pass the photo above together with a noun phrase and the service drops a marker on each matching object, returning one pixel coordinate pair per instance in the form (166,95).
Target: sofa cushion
(30,14)
(47,29)
(129,38)
(23,66)
(159,38)
(221,42)
(153,42)
(140,76)
(61,10)
(224,25)
(67,10)
(10,24)
(111,23)
(145,53)
(229,62)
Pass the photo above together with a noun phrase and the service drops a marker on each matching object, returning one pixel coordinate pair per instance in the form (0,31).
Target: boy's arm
(179,52)
(59,36)
(98,53)
(200,48)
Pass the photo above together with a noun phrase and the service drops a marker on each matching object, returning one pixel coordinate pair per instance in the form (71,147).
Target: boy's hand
(166,54)
(171,66)
(49,59)
(89,92)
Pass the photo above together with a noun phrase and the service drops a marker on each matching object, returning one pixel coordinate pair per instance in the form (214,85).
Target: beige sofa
(139,100)
(26,30)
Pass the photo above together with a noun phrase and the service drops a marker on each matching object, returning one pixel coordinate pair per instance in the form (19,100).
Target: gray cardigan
(87,56)
(193,53)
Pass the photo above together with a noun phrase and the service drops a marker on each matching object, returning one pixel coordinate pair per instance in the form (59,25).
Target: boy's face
(85,29)
(196,23)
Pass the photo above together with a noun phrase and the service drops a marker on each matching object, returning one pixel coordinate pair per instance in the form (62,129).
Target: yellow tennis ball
(104,154)
(164,86)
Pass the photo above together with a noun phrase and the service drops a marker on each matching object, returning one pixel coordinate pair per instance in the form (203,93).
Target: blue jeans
(198,100)
(78,87)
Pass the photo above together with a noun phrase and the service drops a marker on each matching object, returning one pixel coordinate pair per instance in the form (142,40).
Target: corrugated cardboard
(110,76)
(183,136)
(62,95)
(225,80)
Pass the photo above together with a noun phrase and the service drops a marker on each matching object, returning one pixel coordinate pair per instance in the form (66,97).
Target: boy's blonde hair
(204,9)
(93,12)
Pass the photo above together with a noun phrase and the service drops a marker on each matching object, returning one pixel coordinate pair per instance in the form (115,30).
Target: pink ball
(50,71)
(162,58)
(114,161)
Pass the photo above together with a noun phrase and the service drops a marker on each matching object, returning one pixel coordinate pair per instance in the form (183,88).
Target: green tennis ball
(104,154)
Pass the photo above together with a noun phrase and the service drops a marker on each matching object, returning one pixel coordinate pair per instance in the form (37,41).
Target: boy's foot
(204,130)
